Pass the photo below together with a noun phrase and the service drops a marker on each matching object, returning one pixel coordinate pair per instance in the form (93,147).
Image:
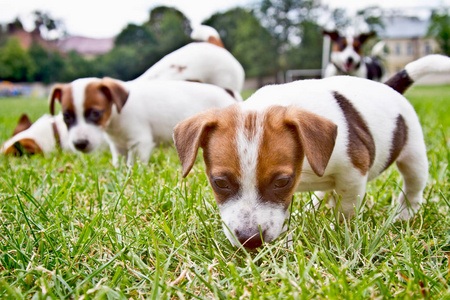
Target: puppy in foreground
(335,134)
(135,115)
(45,135)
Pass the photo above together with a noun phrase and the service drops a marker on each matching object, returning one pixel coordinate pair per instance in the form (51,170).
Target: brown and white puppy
(46,135)
(134,116)
(335,134)
(347,57)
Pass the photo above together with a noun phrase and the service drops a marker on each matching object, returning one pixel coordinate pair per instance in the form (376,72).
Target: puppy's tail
(417,69)
(208,34)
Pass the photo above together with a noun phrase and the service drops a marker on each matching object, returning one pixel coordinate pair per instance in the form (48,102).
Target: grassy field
(72,226)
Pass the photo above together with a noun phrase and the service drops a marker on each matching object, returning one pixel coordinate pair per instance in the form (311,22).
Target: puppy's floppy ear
(317,136)
(362,38)
(334,35)
(114,91)
(189,134)
(23,124)
(55,94)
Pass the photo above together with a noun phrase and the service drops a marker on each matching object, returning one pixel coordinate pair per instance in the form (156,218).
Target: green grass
(72,226)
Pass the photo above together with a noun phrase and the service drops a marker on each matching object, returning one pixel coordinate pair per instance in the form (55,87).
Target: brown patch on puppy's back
(361,146)
(215,41)
(398,140)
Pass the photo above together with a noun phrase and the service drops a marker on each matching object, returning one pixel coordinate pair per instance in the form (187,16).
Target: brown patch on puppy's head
(23,146)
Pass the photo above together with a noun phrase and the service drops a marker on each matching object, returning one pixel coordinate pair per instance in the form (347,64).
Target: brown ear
(23,124)
(189,134)
(365,36)
(55,94)
(317,136)
(114,91)
(334,35)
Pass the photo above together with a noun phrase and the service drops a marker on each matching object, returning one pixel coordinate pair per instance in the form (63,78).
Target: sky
(106,18)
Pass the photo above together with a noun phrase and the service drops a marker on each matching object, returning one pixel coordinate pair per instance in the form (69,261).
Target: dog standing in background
(347,57)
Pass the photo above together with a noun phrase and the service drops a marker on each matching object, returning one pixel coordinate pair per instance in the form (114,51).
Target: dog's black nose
(81,144)
(350,60)
(249,238)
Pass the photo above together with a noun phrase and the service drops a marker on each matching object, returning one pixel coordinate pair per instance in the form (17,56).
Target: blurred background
(43,42)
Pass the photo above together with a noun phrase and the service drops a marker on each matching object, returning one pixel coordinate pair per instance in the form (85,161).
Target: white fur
(203,32)
(152,110)
(42,133)
(202,62)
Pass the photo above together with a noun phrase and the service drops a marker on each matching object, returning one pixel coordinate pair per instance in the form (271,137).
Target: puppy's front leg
(141,149)
(350,193)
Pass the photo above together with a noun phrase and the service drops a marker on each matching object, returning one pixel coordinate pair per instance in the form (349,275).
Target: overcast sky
(106,18)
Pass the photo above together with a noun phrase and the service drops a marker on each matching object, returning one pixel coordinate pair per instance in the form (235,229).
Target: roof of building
(85,45)
(404,27)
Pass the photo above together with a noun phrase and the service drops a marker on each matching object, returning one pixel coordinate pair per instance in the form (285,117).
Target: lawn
(72,226)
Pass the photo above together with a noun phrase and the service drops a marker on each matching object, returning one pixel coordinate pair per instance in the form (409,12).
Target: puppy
(335,134)
(46,135)
(347,57)
(135,115)
(206,62)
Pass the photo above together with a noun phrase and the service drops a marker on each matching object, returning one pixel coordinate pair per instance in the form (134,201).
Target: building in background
(89,48)
(406,40)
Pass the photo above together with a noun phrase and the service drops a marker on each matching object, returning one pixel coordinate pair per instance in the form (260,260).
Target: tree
(440,29)
(251,44)
(47,26)
(136,36)
(308,54)
(170,27)
(15,62)
(50,65)
(284,20)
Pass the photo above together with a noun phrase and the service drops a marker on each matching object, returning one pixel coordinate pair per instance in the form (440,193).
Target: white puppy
(335,134)
(45,135)
(206,62)
(135,115)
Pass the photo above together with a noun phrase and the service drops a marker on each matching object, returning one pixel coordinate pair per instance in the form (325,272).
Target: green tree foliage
(247,40)
(136,36)
(440,29)
(170,27)
(50,65)
(308,55)
(15,62)
(76,66)
(122,63)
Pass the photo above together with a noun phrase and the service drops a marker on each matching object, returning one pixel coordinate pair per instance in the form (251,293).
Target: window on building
(398,49)
(409,49)
(428,49)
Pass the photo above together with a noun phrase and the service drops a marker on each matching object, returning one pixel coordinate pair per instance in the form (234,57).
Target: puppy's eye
(222,183)
(282,182)
(69,118)
(93,115)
